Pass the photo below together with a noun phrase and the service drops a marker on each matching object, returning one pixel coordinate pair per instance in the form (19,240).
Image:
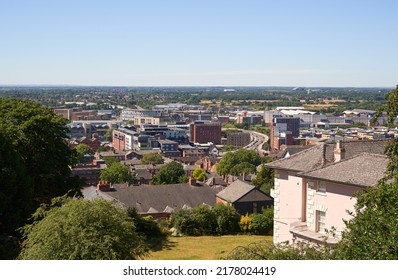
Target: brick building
(238,139)
(202,132)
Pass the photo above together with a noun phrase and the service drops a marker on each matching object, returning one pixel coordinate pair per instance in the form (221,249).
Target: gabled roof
(291,150)
(306,160)
(361,170)
(323,155)
(235,191)
(163,197)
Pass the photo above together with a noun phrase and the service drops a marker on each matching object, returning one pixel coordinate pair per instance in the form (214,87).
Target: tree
(16,198)
(81,151)
(110,160)
(199,174)
(152,158)
(242,169)
(82,230)
(108,135)
(231,159)
(171,173)
(117,173)
(264,179)
(38,136)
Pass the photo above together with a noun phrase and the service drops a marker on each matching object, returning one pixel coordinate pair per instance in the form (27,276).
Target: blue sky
(199,43)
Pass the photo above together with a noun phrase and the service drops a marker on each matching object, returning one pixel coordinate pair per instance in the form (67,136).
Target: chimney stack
(339,152)
(192,181)
(104,186)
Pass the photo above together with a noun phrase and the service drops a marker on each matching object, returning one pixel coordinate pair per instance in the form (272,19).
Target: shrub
(227,219)
(263,222)
(246,223)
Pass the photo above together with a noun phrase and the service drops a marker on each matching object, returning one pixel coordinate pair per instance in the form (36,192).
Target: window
(321,187)
(320,221)
(254,207)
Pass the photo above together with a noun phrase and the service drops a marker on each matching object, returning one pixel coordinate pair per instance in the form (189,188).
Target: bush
(183,222)
(148,229)
(263,222)
(246,223)
(227,219)
(203,220)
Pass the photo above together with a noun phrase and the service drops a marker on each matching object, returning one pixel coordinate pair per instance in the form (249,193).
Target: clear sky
(199,42)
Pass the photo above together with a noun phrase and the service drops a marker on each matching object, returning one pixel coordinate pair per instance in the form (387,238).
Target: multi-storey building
(284,130)
(238,139)
(205,132)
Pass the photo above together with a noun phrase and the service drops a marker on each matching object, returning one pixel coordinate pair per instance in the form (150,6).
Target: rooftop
(361,170)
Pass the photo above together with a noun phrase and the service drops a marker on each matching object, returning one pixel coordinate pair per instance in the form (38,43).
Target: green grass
(203,247)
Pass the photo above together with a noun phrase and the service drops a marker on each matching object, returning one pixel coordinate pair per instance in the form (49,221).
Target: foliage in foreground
(268,251)
(81,230)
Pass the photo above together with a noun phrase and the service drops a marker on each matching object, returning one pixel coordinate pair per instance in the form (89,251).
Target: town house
(315,188)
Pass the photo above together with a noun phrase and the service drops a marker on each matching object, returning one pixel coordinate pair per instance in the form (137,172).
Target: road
(257,142)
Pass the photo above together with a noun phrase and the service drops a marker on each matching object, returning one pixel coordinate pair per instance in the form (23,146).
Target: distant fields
(203,247)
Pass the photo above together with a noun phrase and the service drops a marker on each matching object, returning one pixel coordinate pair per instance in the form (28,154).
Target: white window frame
(320,221)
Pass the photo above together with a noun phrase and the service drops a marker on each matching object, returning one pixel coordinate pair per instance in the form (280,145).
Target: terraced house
(316,187)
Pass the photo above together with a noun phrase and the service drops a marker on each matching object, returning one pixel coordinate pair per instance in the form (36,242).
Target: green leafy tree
(38,136)
(231,159)
(118,173)
(110,160)
(264,179)
(242,169)
(171,173)
(199,174)
(81,151)
(82,230)
(108,135)
(16,199)
(152,158)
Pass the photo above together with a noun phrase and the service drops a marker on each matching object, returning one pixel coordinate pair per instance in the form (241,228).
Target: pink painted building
(315,188)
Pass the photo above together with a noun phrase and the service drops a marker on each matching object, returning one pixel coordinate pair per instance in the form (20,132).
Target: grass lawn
(203,247)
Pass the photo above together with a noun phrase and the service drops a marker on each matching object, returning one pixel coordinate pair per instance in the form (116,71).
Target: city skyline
(203,43)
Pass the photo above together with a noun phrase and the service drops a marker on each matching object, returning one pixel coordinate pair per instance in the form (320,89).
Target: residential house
(315,187)
(160,201)
(245,198)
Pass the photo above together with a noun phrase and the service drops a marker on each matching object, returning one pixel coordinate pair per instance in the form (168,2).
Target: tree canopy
(82,230)
(38,136)
(231,159)
(118,173)
(82,150)
(152,158)
(199,174)
(171,173)
(16,191)
(264,179)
